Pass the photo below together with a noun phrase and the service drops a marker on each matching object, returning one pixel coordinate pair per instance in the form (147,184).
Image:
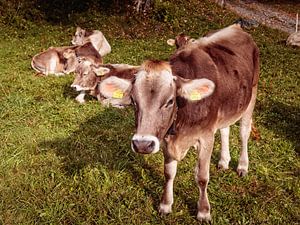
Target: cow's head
(180,40)
(87,75)
(80,37)
(154,92)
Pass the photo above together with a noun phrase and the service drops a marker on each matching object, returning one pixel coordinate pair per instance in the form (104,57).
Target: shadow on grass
(59,11)
(69,11)
(104,140)
(283,119)
(71,93)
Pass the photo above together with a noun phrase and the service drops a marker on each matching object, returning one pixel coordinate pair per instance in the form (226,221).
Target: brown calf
(88,77)
(180,40)
(64,60)
(208,85)
(57,61)
(96,37)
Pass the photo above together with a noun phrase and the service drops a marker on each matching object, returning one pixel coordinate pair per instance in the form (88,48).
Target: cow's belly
(224,124)
(226,120)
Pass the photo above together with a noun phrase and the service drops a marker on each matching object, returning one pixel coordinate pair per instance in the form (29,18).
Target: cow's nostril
(143,146)
(150,146)
(135,145)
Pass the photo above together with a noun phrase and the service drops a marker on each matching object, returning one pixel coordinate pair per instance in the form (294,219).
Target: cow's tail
(35,65)
(246,24)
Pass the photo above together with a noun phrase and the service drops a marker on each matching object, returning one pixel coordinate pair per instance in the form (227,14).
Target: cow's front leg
(225,154)
(80,97)
(170,168)
(202,176)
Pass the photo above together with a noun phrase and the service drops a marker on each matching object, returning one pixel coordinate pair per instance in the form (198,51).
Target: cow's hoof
(118,106)
(80,101)
(40,74)
(222,165)
(242,171)
(204,217)
(165,209)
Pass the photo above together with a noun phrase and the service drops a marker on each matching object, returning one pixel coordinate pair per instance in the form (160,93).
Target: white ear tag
(101,72)
(171,42)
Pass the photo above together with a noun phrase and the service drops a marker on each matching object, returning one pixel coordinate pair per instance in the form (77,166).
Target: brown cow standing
(208,85)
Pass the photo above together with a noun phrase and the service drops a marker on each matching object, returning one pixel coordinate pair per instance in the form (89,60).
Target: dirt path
(264,14)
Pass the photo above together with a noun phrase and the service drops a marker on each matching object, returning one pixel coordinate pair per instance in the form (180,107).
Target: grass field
(65,163)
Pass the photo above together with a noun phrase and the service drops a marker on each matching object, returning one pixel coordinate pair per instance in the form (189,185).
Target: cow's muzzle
(79,88)
(145,144)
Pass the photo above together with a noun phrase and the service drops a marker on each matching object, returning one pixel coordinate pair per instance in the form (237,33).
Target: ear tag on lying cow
(118,94)
(195,95)
(100,73)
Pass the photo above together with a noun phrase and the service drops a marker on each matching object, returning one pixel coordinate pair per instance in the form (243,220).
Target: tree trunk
(142,5)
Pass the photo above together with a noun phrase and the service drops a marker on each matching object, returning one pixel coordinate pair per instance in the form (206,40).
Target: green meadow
(66,163)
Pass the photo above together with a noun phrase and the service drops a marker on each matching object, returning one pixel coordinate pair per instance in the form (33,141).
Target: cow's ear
(195,90)
(171,42)
(114,87)
(100,71)
(78,29)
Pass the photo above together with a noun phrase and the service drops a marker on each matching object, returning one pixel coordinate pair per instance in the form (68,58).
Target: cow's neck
(172,128)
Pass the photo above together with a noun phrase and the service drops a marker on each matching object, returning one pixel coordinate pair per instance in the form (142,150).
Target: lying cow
(96,37)
(88,76)
(64,60)
(57,61)
(183,40)
(207,85)
(180,41)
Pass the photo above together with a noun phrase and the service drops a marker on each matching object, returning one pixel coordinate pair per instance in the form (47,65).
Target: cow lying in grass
(89,75)
(64,60)
(96,37)
(57,61)
(207,85)
(180,41)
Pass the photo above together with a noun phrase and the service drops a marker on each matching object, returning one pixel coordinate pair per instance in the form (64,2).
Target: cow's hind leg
(202,175)
(170,168)
(225,154)
(245,130)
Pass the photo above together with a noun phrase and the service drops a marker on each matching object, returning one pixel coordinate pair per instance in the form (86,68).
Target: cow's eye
(170,102)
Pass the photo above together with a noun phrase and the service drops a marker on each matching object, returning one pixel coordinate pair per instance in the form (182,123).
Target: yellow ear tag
(118,94)
(100,73)
(195,95)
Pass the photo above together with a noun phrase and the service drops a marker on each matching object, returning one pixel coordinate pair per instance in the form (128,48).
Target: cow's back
(230,59)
